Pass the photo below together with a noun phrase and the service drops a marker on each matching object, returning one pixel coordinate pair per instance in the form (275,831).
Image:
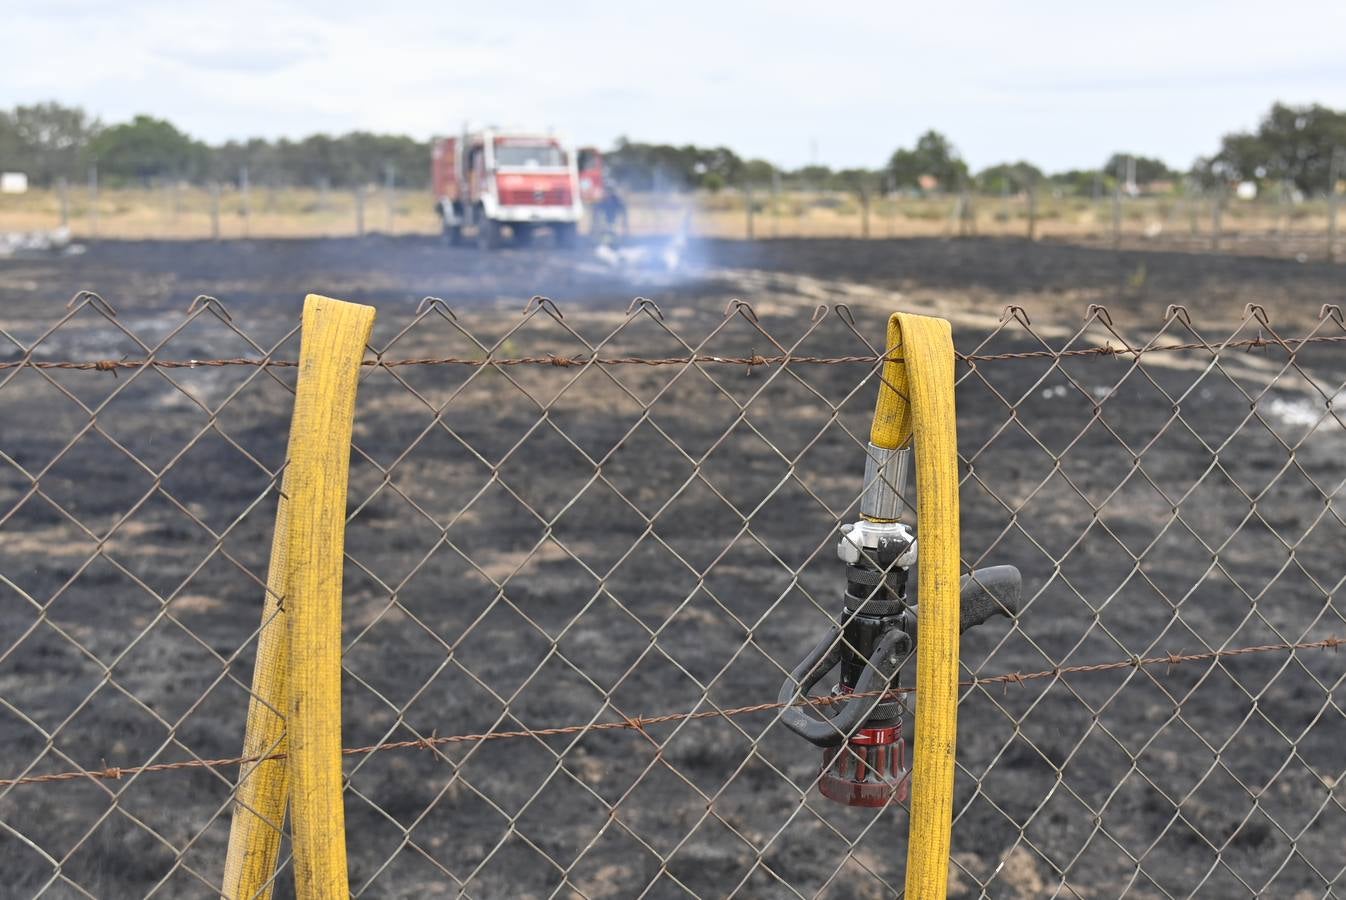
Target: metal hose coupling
(885,482)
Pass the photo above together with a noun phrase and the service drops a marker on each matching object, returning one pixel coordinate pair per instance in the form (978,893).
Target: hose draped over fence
(295,706)
(916,402)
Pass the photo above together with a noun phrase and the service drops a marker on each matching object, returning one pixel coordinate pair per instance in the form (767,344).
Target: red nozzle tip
(869,770)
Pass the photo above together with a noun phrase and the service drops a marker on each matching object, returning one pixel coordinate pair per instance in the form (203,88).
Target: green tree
(1292,143)
(813,176)
(146,148)
(933,155)
(1009,178)
(1082,182)
(46,140)
(758,172)
(1148,168)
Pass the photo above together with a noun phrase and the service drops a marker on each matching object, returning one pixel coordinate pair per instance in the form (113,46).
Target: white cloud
(1061,83)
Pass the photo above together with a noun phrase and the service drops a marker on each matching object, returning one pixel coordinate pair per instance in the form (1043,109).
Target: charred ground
(1173,507)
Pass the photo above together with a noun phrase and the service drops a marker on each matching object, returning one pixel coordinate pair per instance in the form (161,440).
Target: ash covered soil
(541,546)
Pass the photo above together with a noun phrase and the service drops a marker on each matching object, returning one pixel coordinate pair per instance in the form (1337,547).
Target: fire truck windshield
(529,156)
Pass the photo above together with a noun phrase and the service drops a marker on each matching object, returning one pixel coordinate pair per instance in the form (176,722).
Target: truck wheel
(488,234)
(523,234)
(565,234)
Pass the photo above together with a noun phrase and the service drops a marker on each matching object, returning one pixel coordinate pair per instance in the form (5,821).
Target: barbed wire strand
(639,723)
(112,365)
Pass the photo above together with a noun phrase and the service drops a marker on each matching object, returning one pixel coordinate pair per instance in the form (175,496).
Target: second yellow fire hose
(916,403)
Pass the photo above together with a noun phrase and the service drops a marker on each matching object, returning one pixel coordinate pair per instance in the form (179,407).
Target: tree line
(1293,145)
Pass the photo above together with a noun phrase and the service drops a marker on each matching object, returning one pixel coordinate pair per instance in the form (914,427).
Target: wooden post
(1333,176)
(245,200)
(775,203)
(360,210)
(215,210)
(1282,214)
(747,202)
(1117,208)
(1217,216)
(891,197)
(93,200)
(1032,209)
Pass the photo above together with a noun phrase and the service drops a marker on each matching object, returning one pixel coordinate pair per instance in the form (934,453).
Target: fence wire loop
(205,301)
(89,298)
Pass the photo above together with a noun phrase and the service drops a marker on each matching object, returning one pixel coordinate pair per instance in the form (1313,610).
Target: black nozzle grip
(825,655)
(993,591)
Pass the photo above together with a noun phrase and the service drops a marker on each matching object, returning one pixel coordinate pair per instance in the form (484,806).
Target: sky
(1061,84)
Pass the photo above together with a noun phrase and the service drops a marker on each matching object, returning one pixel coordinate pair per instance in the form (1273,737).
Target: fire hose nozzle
(864,755)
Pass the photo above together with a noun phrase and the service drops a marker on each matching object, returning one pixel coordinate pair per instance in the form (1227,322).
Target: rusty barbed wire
(1025,513)
(638,723)
(109,365)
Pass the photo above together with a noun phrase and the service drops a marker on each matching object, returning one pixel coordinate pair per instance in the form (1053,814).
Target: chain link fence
(584,551)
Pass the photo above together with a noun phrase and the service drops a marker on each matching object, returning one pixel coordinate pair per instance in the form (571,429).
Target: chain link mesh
(585,550)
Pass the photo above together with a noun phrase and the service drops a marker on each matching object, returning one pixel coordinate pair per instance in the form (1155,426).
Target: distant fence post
(215,210)
(890,194)
(245,200)
(93,200)
(1333,176)
(1117,209)
(1032,208)
(1217,216)
(775,203)
(748,204)
(967,215)
(389,181)
(360,210)
(63,189)
(324,202)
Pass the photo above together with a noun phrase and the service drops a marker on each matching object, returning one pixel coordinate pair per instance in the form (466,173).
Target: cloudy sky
(1060,83)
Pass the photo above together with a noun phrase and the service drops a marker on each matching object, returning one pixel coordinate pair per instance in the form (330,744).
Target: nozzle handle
(993,591)
(826,654)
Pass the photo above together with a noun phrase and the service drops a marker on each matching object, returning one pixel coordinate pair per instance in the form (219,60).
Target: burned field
(537,546)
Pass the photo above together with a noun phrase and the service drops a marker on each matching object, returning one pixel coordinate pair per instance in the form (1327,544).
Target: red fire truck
(497,181)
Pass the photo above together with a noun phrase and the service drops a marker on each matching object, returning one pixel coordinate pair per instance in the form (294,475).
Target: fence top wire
(639,723)
(1253,314)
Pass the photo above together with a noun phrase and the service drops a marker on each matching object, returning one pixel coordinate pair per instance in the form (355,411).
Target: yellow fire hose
(295,708)
(916,403)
